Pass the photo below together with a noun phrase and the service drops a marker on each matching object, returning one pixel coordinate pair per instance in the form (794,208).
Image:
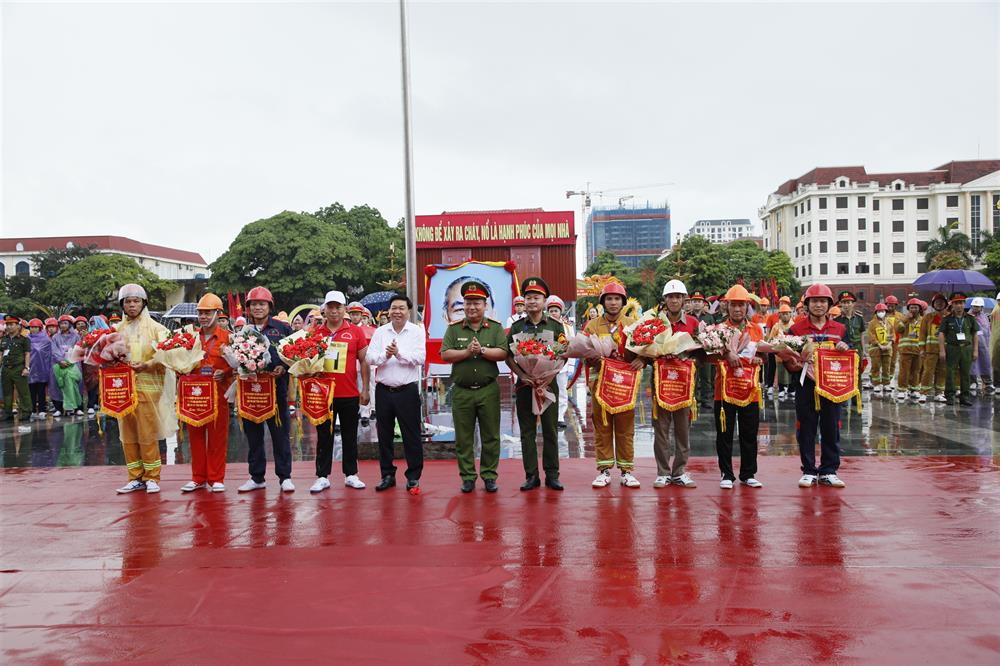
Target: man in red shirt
(820,328)
(744,417)
(345,358)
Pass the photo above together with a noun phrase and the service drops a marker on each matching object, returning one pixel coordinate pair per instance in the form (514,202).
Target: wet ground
(900,567)
(883,428)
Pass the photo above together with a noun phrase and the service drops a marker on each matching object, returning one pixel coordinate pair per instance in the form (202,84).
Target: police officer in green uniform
(474,346)
(958,350)
(16,351)
(540,325)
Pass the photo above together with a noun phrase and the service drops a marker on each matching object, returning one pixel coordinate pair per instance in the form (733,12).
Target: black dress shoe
(365,422)
(386,483)
(965,403)
(553,484)
(561,425)
(468,486)
(491,485)
(949,401)
(531,483)
(413,487)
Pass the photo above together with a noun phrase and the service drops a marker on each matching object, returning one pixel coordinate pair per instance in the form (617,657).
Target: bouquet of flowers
(304,352)
(590,347)
(716,338)
(100,347)
(539,359)
(181,352)
(652,337)
(248,352)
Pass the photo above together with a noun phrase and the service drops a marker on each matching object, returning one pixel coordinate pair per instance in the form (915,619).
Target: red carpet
(899,567)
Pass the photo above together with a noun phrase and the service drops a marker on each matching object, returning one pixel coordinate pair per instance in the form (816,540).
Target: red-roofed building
(168,263)
(867,231)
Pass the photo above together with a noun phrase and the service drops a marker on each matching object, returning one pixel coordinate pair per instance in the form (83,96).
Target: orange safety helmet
(260,294)
(737,293)
(784,307)
(786,299)
(209,302)
(612,288)
(835,311)
(765,301)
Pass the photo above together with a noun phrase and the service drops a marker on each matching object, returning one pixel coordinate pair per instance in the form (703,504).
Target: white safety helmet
(674,287)
(556,301)
(131,291)
(978,302)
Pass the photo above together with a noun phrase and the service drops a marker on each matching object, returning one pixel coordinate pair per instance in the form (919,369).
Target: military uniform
(476,394)
(13,348)
(552,330)
(959,335)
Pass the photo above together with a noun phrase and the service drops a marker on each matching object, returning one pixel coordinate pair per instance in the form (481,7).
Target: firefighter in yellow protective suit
(881,335)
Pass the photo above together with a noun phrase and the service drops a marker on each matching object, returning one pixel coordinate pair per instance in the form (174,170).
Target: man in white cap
(670,310)
(141,430)
(345,360)
(983,366)
(554,306)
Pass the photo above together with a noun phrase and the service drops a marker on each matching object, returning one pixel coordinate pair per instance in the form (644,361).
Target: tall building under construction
(634,232)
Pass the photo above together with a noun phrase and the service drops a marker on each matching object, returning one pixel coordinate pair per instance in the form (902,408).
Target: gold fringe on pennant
(608,409)
(197,423)
(256,419)
(690,402)
(741,403)
(817,391)
(125,412)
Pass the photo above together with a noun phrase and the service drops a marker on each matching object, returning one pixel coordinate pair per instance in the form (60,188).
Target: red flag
(232,304)
(739,280)
(774,289)
(239,306)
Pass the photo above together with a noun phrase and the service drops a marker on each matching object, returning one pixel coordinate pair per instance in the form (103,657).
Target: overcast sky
(179,123)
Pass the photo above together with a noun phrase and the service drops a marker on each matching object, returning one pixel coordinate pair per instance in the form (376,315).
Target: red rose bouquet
(181,352)
(653,337)
(100,347)
(304,352)
(538,358)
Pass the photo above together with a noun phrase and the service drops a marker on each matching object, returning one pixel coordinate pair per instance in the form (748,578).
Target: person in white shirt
(554,306)
(397,352)
(519,312)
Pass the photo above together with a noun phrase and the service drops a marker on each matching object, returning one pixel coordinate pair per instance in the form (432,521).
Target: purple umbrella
(950,280)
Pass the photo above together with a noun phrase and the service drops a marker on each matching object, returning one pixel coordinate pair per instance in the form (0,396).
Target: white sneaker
(152,487)
(57,414)
(877,391)
(922,398)
(218,487)
(901,396)
(726,484)
(90,411)
(939,397)
(131,487)
(914,396)
(783,395)
(770,391)
(353,481)
(629,481)
(753,483)
(249,485)
(79,412)
(287,486)
(602,480)
(191,486)
(807,481)
(321,484)
(685,480)
(661,482)
(832,481)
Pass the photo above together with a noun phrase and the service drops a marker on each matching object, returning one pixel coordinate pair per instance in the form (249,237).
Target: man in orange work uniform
(210,441)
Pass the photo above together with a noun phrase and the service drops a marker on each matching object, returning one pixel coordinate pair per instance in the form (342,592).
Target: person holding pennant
(537,326)
(202,404)
(813,404)
(738,394)
(345,359)
(149,415)
(397,353)
(474,346)
(613,389)
(674,377)
(256,409)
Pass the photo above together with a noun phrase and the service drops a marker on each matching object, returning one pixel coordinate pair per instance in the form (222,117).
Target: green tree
(295,255)
(955,245)
(698,263)
(778,265)
(16,297)
(91,284)
(375,240)
(49,263)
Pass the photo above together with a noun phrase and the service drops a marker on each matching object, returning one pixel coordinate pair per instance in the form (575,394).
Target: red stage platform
(902,566)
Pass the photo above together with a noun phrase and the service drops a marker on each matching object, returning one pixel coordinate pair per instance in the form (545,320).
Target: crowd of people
(923,353)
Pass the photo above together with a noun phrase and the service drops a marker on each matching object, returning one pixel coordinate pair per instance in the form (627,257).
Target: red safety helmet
(891,300)
(818,290)
(66,318)
(35,322)
(612,288)
(915,301)
(880,307)
(51,321)
(260,294)
(80,319)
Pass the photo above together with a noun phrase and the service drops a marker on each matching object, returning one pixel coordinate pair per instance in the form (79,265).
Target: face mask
(880,315)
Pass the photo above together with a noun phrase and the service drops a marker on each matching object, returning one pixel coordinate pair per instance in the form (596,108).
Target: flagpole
(411,226)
